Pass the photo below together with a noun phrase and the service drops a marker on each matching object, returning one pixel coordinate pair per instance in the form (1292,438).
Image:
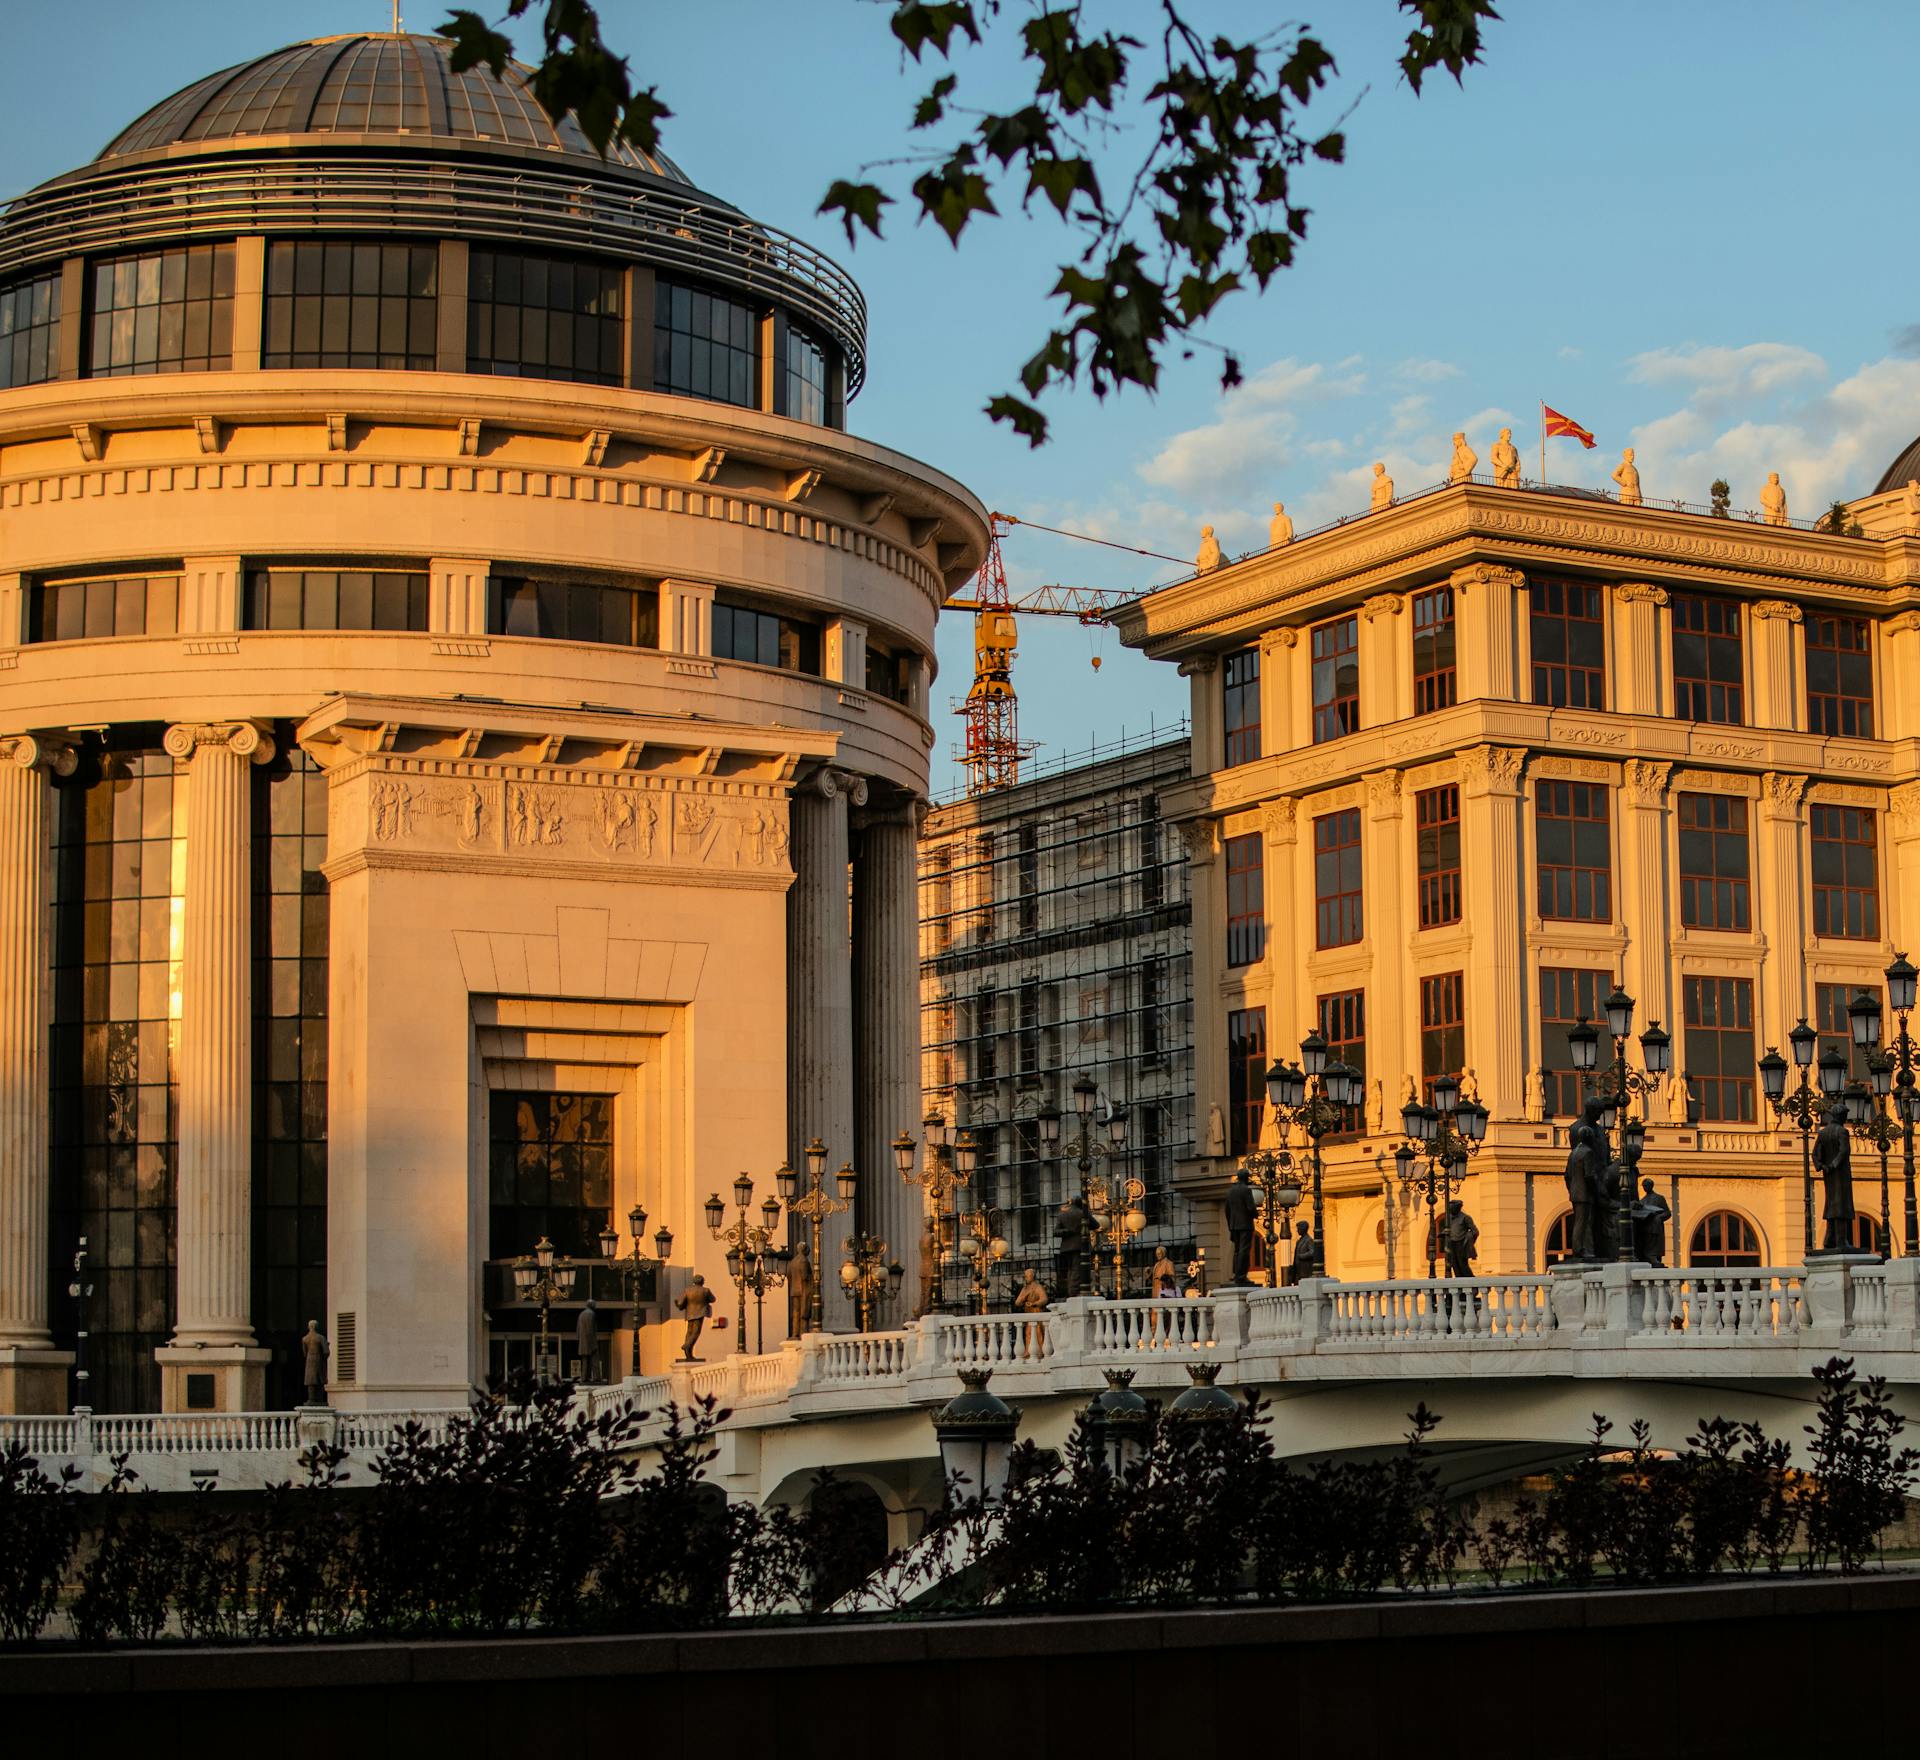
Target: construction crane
(994,749)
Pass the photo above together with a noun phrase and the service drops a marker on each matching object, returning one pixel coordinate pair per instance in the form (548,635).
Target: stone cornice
(1450,529)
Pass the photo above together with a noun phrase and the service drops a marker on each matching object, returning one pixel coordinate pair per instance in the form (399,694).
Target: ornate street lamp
(1449,1134)
(1806,1104)
(754,1262)
(1870,1123)
(983,1247)
(943,1170)
(542,1277)
(1271,1171)
(868,1276)
(813,1207)
(1121,1423)
(80,1288)
(1315,1095)
(633,1263)
(975,1430)
(1616,1088)
(1906,1102)
(1203,1402)
(1109,1195)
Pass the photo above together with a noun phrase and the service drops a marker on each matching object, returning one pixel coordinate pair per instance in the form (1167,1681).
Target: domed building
(464,702)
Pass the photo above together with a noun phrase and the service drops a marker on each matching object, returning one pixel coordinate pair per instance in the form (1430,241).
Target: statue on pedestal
(1073,1237)
(929,1266)
(1608,1184)
(1505,459)
(1463,462)
(314,1351)
(1216,1131)
(1280,531)
(1382,489)
(696,1302)
(1773,500)
(1582,1177)
(1833,1155)
(1651,1213)
(1241,1213)
(799,1291)
(1460,1236)
(586,1342)
(1627,475)
(1910,501)
(1306,1255)
(1209,558)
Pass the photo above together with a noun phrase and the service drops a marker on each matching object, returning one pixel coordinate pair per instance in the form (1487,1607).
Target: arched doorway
(1559,1245)
(1725,1241)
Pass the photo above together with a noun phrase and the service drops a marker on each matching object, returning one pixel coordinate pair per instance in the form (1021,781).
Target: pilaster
(210,595)
(1279,689)
(1391,991)
(457,595)
(1777,664)
(1780,869)
(1386,661)
(33,1375)
(886,995)
(1207,889)
(213,1331)
(1207,713)
(13,611)
(1486,618)
(1898,709)
(1903,871)
(1492,796)
(1641,651)
(1280,823)
(249,300)
(820,995)
(450,333)
(1645,907)
(686,617)
(845,652)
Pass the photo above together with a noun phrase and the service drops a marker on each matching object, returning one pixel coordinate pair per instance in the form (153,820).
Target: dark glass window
(289,1061)
(1027,1040)
(986,1029)
(1153,877)
(545,317)
(1569,643)
(168,312)
(352,303)
(1836,1030)
(1240,701)
(580,611)
(1443,1029)
(1246,1078)
(806,376)
(1708,671)
(30,331)
(1343,1024)
(1436,818)
(1723,1241)
(1575,858)
(1435,685)
(321,598)
(987,888)
(1338,916)
(119,865)
(1153,984)
(1336,678)
(1846,871)
(764,639)
(1026,877)
(127,605)
(705,345)
(1720,1065)
(1714,862)
(890,674)
(1568,996)
(1246,900)
(1840,676)
(551,1172)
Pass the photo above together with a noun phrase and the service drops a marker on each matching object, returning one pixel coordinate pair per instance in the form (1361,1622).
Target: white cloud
(1427,372)
(1713,375)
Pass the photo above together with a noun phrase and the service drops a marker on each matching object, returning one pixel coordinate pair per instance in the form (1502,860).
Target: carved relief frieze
(1861,763)
(1579,769)
(1711,782)
(1740,750)
(1846,794)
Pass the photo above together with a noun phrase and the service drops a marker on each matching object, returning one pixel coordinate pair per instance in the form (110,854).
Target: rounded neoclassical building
(464,703)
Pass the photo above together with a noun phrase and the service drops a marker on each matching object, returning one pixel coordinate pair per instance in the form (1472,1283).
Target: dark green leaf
(858,204)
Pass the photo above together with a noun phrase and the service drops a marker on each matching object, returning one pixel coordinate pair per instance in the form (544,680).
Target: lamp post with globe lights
(1272,1171)
(633,1263)
(982,1246)
(868,1276)
(1618,1086)
(541,1277)
(1900,998)
(1449,1134)
(1113,1199)
(1870,1124)
(753,1261)
(1805,1104)
(1316,1095)
(943,1169)
(813,1207)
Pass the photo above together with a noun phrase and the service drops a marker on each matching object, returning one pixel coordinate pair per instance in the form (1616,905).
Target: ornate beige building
(1462,764)
(464,698)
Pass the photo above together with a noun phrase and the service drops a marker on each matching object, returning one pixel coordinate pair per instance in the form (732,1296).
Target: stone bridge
(1515,1366)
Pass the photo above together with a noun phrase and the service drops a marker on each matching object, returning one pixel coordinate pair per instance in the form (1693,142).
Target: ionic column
(1206,890)
(1644,907)
(1486,611)
(1492,796)
(1206,713)
(213,1328)
(1776,670)
(886,991)
(32,1374)
(1639,654)
(1393,1013)
(820,997)
(1386,661)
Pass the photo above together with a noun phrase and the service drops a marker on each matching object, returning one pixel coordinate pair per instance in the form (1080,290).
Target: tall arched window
(1863,1233)
(1724,1241)
(1559,1245)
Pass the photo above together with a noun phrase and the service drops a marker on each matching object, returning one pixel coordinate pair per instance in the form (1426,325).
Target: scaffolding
(1056,929)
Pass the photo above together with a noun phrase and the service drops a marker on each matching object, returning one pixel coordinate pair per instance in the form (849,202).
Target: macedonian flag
(1559,427)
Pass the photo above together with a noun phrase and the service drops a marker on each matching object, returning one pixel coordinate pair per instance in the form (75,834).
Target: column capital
(1492,769)
(1199,665)
(1486,574)
(1902,623)
(1383,794)
(1768,609)
(1383,605)
(1903,809)
(1782,794)
(1281,820)
(830,784)
(1640,593)
(1200,836)
(1646,782)
(1283,636)
(39,751)
(245,739)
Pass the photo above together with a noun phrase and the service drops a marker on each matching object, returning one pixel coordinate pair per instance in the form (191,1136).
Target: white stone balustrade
(1595,1323)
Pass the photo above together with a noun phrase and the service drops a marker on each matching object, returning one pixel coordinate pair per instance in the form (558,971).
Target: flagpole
(1543,442)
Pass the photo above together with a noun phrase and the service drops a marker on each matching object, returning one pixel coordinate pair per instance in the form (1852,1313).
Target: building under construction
(1055,945)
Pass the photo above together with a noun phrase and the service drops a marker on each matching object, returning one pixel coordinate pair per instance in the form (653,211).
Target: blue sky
(1686,225)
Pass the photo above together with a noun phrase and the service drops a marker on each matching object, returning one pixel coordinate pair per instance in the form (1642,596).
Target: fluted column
(215,1060)
(820,998)
(25,1018)
(1641,646)
(886,996)
(1645,906)
(1393,1000)
(1777,696)
(1780,905)
(1494,879)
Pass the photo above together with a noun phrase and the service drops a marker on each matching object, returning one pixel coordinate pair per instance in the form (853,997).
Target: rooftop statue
(1281,530)
(1464,460)
(1773,500)
(1505,459)
(1209,558)
(1382,488)
(1628,477)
